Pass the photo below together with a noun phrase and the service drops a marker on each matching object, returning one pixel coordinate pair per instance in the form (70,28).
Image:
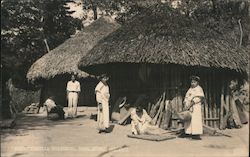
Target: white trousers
(72,104)
(103,116)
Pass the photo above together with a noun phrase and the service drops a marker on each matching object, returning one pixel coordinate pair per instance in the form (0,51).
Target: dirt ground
(35,136)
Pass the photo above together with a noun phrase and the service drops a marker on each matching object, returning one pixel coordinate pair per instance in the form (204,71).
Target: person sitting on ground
(140,120)
(53,109)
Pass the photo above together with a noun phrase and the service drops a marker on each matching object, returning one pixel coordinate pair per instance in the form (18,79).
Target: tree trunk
(94,8)
(214,5)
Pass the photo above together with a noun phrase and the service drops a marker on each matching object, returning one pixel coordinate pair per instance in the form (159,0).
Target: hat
(196,78)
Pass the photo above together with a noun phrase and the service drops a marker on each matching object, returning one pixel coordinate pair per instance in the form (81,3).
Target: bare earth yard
(35,136)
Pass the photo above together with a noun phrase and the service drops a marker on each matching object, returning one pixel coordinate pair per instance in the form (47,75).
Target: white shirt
(50,104)
(102,92)
(73,86)
(145,117)
(193,93)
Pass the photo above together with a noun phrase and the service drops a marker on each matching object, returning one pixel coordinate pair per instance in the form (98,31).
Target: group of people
(194,98)
(140,120)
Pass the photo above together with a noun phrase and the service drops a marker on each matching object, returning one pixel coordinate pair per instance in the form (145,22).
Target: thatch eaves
(163,35)
(64,58)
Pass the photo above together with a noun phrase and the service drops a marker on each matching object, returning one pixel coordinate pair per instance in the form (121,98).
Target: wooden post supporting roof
(222,106)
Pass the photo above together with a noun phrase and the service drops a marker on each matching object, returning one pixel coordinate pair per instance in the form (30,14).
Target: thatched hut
(159,49)
(54,68)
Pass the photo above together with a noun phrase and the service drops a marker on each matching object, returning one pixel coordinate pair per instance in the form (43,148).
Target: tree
(124,9)
(25,25)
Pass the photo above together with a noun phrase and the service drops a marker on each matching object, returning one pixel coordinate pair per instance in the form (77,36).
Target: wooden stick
(227,99)
(206,103)
(212,131)
(235,112)
(214,101)
(158,123)
(149,107)
(159,111)
(213,119)
(167,116)
(203,110)
(209,102)
(241,32)
(222,107)
(46,43)
(154,107)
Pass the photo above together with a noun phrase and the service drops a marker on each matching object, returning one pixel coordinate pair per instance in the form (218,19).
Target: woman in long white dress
(192,102)
(102,98)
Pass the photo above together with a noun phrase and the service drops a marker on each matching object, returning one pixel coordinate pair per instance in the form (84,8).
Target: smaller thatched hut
(159,49)
(54,68)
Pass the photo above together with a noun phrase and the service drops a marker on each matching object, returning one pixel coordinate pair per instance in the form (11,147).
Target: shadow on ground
(27,122)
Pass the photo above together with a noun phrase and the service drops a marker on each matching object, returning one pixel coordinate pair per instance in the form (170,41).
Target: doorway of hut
(57,87)
(149,85)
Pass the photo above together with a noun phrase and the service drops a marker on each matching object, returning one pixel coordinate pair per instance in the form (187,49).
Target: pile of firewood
(162,112)
(32,109)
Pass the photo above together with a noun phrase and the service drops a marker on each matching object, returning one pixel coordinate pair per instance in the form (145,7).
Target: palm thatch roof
(163,35)
(64,58)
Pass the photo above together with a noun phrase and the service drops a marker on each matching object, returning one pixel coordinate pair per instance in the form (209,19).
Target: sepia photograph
(125,78)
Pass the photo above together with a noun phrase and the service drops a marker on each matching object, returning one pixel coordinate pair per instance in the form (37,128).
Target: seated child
(53,109)
(140,120)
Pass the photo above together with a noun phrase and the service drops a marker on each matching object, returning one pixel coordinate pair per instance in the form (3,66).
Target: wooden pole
(218,94)
(206,102)
(241,32)
(227,98)
(214,101)
(162,103)
(209,102)
(222,106)
(47,46)
(235,112)
(212,98)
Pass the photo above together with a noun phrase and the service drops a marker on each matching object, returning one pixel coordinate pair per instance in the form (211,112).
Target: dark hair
(196,78)
(52,97)
(139,108)
(103,76)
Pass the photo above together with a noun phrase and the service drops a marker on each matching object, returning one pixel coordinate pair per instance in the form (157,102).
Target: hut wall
(174,79)
(133,80)
(57,87)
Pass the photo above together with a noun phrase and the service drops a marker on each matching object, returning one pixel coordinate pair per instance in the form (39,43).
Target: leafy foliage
(25,25)
(124,9)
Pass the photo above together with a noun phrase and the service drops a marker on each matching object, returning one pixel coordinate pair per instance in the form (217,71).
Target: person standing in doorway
(73,90)
(102,98)
(192,102)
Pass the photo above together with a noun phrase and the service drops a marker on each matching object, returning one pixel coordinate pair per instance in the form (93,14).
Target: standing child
(102,98)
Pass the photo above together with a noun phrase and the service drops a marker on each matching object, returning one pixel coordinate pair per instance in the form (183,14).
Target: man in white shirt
(73,90)
(102,98)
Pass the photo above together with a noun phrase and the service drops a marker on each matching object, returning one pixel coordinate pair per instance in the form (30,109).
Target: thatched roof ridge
(64,58)
(165,36)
